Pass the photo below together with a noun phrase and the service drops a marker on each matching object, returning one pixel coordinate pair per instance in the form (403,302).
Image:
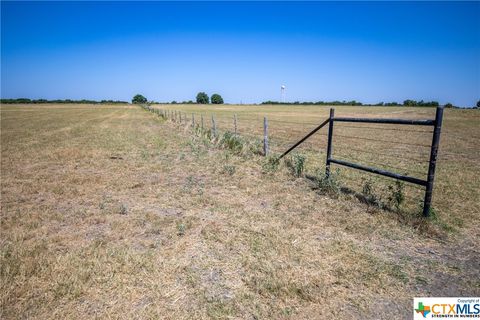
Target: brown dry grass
(110,212)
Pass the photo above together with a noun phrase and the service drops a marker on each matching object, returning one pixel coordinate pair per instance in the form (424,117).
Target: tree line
(202,98)
(64,101)
(409,103)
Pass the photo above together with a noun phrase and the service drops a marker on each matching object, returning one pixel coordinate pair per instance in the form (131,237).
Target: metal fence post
(329,145)
(214,127)
(433,161)
(265,136)
(235,123)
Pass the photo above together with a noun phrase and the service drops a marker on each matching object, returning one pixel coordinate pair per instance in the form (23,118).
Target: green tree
(478,104)
(202,98)
(217,99)
(449,105)
(410,103)
(139,99)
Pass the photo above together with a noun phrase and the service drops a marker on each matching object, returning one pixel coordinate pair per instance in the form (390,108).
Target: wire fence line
(283,133)
(367,144)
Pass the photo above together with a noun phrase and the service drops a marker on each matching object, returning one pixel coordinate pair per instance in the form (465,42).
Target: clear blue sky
(367,51)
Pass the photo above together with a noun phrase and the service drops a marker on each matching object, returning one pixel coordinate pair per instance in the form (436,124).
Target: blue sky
(367,51)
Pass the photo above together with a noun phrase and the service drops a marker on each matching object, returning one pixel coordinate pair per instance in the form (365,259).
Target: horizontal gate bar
(389,121)
(380,172)
(304,138)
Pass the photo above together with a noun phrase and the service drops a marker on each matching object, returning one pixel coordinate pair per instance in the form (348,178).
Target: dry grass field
(113,212)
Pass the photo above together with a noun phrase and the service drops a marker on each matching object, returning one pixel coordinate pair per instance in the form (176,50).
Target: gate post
(329,145)
(433,161)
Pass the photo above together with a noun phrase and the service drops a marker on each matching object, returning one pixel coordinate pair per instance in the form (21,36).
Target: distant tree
(448,105)
(23,100)
(478,104)
(410,103)
(139,99)
(217,99)
(174,102)
(202,98)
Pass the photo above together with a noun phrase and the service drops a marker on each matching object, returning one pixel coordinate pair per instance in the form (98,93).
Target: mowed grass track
(110,212)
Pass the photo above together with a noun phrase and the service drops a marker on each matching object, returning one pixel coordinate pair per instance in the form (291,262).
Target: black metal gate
(428,183)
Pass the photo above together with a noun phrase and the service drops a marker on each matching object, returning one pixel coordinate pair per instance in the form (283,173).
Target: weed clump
(296,164)
(239,145)
(123,210)
(270,164)
(232,142)
(397,194)
(181,228)
(328,184)
(370,196)
(228,169)
(255,147)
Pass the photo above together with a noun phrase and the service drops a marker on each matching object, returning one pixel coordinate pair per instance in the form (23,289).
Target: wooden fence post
(329,144)
(201,117)
(193,121)
(265,136)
